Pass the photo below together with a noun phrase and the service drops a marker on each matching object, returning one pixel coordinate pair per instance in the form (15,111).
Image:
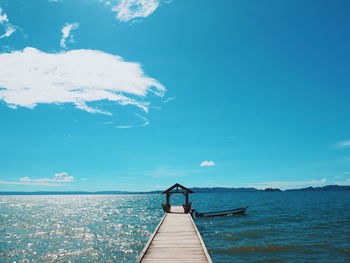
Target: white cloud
(168,172)
(144,119)
(207,163)
(59,177)
(286,184)
(66,34)
(169,99)
(107,122)
(345,182)
(8,28)
(145,122)
(26,183)
(131,9)
(57,180)
(31,77)
(342,144)
(164,172)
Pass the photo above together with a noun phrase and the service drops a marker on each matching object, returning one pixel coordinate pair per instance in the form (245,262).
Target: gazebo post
(168,199)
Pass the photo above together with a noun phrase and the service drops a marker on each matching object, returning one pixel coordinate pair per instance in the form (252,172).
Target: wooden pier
(176,238)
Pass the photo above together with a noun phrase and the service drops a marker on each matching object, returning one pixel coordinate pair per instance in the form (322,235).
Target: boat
(240,210)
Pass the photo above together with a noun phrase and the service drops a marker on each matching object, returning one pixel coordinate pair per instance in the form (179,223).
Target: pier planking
(176,239)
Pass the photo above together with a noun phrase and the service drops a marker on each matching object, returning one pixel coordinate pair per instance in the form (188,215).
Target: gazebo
(177,189)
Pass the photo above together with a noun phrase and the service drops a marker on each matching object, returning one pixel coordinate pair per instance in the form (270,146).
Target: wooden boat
(240,210)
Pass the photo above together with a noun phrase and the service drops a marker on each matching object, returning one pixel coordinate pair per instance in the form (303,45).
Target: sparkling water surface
(278,227)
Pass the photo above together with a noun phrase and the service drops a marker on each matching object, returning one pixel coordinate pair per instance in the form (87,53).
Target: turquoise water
(278,227)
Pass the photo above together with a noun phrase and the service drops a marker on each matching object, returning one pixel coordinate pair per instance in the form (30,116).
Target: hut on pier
(177,189)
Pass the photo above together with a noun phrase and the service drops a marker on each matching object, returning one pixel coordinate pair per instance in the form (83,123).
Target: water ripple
(279,227)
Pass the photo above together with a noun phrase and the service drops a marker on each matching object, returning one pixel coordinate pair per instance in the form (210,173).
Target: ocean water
(278,227)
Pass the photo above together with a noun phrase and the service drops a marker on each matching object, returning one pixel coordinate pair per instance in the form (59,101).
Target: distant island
(195,189)
(323,188)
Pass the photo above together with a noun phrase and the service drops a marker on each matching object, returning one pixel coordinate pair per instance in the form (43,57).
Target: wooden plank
(177,209)
(201,241)
(176,239)
(143,252)
(173,261)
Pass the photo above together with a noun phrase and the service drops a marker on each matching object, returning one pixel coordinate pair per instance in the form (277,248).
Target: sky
(140,94)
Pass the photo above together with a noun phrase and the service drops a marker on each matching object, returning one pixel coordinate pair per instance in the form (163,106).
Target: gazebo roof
(177,186)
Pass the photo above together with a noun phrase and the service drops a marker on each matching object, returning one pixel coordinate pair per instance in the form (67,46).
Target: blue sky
(140,94)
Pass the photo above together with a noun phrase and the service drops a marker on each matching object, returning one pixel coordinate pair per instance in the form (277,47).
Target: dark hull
(236,211)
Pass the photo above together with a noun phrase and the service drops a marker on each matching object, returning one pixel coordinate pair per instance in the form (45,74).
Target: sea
(277,227)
